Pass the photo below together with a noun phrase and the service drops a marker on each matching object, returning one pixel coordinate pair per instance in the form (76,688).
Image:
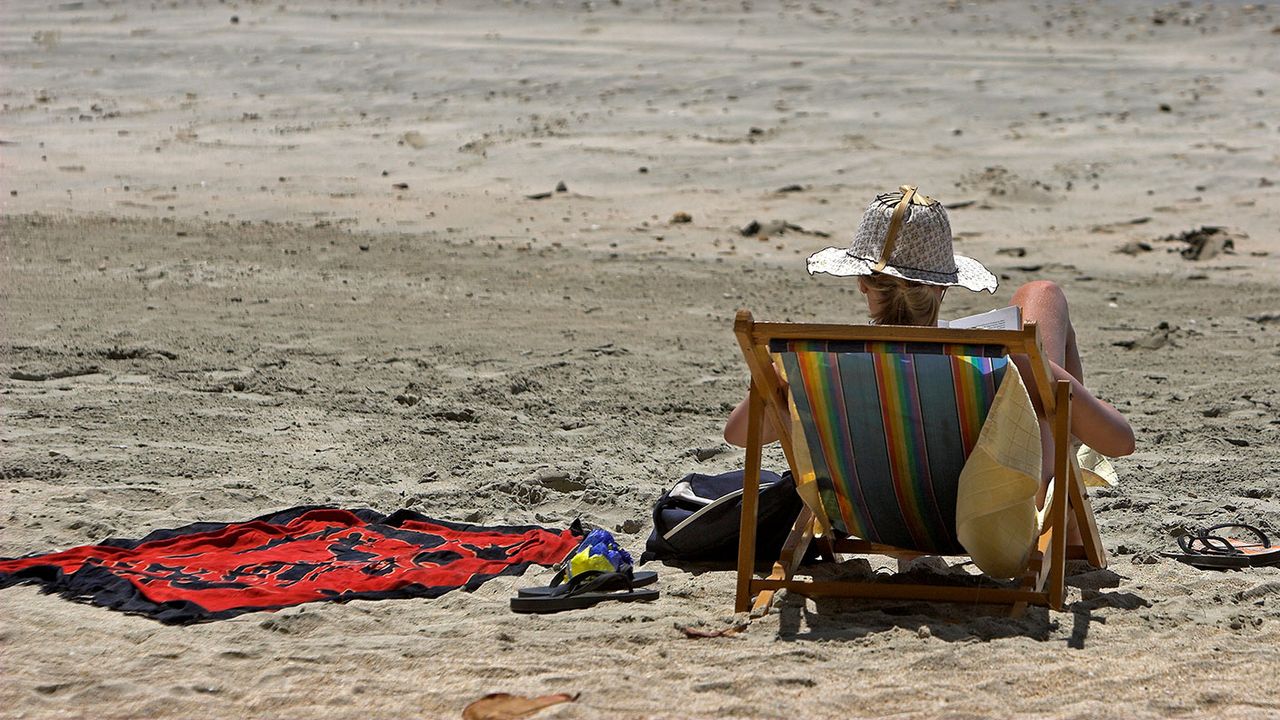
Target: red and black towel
(211,571)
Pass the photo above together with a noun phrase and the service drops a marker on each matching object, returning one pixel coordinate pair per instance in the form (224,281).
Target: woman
(902,256)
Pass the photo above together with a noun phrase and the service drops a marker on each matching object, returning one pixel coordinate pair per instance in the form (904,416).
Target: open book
(1008,318)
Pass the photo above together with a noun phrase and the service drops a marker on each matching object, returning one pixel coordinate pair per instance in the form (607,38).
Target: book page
(1008,318)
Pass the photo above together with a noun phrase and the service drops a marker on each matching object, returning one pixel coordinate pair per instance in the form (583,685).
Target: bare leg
(1044,303)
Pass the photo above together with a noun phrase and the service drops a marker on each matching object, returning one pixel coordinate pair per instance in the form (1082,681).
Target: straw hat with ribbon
(907,235)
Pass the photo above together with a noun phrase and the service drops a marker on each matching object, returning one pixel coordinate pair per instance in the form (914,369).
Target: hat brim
(969,274)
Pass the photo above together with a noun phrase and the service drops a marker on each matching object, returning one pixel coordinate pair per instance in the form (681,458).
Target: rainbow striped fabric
(888,427)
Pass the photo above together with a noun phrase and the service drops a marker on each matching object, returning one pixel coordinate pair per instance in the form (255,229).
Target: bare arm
(735,428)
(1096,422)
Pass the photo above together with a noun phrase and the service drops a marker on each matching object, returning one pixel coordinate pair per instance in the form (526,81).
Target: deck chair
(884,448)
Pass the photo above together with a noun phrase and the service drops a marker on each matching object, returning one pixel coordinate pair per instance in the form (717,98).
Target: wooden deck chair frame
(1043,581)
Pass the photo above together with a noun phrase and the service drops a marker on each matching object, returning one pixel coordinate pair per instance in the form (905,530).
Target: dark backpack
(697,520)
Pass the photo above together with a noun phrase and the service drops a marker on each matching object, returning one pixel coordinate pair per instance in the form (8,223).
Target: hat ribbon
(895,224)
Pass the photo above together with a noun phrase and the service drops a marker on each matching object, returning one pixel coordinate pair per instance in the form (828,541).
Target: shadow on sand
(802,619)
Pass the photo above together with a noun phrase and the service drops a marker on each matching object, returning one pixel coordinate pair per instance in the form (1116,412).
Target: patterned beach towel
(212,571)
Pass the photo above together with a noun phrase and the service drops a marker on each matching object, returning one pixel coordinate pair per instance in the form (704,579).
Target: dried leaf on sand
(502,706)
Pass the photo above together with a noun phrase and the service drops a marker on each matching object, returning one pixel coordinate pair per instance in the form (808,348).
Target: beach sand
(271,255)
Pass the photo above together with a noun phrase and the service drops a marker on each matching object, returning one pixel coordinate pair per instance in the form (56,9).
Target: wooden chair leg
(750,501)
(826,547)
(1061,483)
(1083,512)
(1033,578)
(793,550)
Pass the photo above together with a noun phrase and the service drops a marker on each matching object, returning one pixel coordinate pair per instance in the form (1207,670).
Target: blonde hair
(902,302)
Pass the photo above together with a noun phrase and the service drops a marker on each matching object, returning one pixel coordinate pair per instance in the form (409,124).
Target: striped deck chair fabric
(888,427)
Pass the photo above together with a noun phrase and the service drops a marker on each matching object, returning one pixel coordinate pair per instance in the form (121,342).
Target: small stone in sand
(561,187)
(681,217)
(401,186)
(235,19)
(414,139)
(630,526)
(706,453)
(1134,247)
(560,481)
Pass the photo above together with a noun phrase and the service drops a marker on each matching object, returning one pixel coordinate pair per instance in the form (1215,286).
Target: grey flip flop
(584,591)
(639,579)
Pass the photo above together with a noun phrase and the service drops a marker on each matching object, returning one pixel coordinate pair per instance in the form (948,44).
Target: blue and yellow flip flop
(596,571)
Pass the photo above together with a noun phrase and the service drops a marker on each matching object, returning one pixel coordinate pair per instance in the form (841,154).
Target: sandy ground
(252,227)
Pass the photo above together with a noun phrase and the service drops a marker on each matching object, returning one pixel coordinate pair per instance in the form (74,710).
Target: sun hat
(907,235)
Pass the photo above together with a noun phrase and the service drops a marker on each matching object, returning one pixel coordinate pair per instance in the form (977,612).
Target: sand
(270,255)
